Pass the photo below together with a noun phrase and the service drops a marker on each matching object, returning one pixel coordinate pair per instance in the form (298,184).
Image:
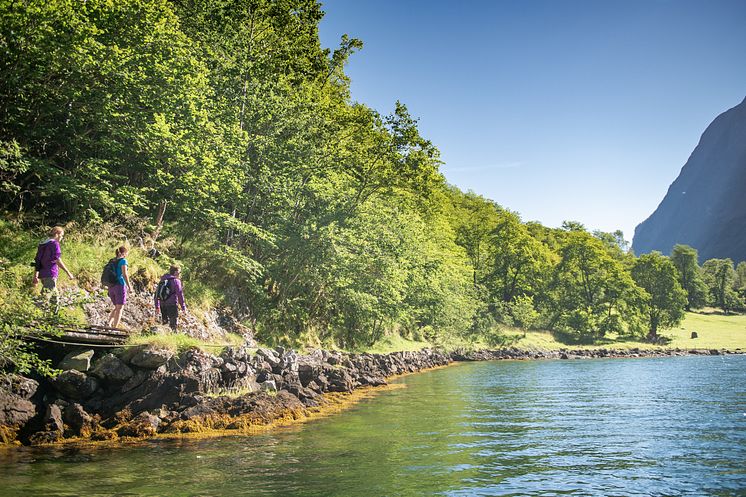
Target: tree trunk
(159,221)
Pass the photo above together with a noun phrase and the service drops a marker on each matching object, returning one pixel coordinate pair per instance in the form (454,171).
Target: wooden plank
(93,331)
(90,338)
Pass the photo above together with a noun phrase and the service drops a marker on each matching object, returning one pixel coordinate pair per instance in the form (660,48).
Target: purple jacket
(48,254)
(177,293)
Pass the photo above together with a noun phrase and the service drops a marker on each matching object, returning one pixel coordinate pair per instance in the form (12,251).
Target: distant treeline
(229,128)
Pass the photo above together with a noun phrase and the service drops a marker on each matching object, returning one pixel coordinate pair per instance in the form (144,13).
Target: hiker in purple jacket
(48,258)
(168,294)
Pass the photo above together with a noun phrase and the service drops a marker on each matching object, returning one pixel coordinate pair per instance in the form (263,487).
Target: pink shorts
(118,294)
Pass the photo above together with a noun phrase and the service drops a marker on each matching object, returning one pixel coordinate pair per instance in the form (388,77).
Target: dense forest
(222,134)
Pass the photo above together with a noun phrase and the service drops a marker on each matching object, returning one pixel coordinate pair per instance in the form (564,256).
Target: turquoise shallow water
(671,426)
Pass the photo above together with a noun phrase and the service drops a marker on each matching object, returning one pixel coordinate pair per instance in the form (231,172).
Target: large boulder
(151,358)
(19,385)
(75,385)
(271,358)
(307,372)
(196,361)
(16,408)
(15,412)
(172,390)
(79,360)
(339,379)
(293,385)
(136,380)
(144,424)
(112,370)
(269,386)
(53,429)
(81,423)
(289,362)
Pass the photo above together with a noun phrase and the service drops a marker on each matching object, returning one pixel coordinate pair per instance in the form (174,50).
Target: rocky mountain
(705,207)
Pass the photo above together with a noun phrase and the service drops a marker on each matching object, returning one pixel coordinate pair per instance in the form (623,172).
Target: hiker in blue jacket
(168,294)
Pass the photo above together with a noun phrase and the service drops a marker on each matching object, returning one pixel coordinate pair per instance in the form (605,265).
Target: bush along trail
(143,391)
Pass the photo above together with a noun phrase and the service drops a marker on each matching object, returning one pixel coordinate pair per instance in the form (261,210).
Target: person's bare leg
(116,316)
(111,317)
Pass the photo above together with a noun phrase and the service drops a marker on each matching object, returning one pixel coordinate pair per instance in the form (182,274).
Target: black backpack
(109,274)
(163,290)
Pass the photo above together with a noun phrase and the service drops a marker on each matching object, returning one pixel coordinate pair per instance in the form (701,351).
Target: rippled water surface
(672,426)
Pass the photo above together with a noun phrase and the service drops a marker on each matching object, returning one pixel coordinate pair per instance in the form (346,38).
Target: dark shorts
(48,283)
(118,294)
(169,315)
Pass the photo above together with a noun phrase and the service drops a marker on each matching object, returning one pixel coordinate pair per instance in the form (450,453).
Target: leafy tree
(739,284)
(571,226)
(524,313)
(592,294)
(719,276)
(519,263)
(664,300)
(614,241)
(474,218)
(108,96)
(685,259)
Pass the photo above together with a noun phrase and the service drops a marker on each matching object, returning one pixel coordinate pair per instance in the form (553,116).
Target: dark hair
(173,269)
(121,251)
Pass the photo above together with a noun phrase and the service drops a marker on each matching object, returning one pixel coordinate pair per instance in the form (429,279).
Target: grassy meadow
(714,330)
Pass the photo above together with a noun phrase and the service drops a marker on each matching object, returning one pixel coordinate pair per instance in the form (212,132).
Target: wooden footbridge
(93,335)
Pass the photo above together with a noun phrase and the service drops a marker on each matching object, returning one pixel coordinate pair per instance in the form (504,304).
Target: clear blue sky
(559,110)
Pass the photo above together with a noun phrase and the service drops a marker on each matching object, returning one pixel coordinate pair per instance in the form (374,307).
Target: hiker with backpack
(168,293)
(116,278)
(48,259)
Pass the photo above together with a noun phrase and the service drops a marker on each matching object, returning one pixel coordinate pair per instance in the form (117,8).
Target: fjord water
(670,426)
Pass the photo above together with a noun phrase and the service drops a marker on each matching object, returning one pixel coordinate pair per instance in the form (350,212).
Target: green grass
(715,332)
(396,343)
(85,253)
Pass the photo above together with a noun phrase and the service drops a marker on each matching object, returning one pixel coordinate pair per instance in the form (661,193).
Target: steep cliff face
(705,207)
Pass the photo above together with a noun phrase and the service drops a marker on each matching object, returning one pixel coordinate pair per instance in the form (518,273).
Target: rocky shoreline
(143,391)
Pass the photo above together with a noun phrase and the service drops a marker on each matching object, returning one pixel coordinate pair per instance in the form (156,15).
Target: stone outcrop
(705,207)
(16,408)
(79,360)
(142,391)
(73,384)
(112,370)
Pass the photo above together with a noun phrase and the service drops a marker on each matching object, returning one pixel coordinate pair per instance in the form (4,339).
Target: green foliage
(310,217)
(524,313)
(719,275)
(664,300)
(591,292)
(107,97)
(614,241)
(519,263)
(22,321)
(740,281)
(685,259)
